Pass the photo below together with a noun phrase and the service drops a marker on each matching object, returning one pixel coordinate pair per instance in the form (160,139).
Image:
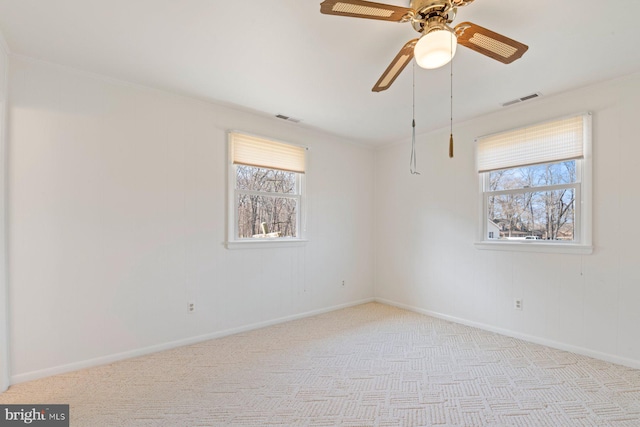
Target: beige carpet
(370,365)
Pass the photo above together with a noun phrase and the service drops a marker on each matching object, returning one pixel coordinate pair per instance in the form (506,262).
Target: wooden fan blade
(366,9)
(395,68)
(488,43)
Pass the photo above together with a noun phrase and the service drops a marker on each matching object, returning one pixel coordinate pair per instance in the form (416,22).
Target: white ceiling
(284,57)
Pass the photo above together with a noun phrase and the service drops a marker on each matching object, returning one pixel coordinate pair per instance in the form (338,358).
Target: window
(266,190)
(535,184)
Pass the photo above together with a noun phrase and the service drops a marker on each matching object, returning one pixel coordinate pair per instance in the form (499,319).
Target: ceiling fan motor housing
(419,4)
(432,14)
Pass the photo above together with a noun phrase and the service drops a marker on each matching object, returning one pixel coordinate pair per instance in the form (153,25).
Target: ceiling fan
(437,43)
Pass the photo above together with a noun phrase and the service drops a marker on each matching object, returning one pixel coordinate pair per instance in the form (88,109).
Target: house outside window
(535,186)
(266,190)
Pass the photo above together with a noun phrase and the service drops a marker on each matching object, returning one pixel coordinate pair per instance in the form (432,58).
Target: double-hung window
(535,185)
(266,190)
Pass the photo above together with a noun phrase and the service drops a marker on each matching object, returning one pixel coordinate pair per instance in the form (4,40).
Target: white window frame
(582,243)
(232,241)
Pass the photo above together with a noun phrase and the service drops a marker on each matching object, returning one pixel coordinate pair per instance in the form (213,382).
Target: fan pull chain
(451,103)
(412,162)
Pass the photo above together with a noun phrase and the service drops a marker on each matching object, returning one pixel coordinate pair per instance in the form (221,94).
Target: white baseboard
(98,361)
(632,363)
(29,376)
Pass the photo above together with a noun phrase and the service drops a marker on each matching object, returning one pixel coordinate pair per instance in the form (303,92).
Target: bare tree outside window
(267,202)
(534,202)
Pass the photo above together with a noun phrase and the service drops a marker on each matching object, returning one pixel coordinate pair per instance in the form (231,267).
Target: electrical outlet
(191,307)
(517,304)
(343,283)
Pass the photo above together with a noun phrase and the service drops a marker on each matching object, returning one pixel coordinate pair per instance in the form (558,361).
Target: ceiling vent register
(524,98)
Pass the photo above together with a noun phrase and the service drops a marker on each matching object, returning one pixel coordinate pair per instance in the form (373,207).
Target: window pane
(268,180)
(546,215)
(533,176)
(266,216)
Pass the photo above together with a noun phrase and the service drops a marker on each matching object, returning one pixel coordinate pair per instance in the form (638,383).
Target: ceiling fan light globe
(435,49)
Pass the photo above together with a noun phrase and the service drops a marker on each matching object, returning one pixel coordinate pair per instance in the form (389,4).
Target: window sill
(265,243)
(533,246)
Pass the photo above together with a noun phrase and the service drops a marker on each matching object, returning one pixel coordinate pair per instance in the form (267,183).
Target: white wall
(4,336)
(425,254)
(117,219)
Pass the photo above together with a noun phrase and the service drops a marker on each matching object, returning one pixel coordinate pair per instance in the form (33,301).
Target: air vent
(287,118)
(524,98)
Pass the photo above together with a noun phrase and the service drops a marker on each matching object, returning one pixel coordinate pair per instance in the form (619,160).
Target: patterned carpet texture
(369,365)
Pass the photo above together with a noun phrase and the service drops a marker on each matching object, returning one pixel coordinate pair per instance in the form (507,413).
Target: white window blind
(553,141)
(258,152)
